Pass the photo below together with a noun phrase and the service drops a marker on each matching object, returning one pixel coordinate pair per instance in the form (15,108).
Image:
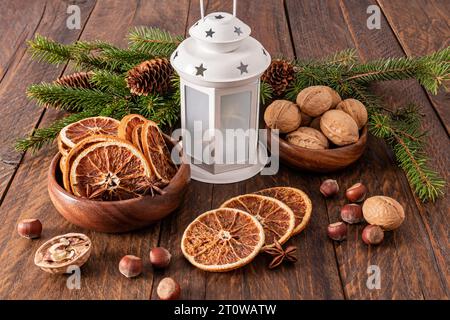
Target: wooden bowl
(323,161)
(117,216)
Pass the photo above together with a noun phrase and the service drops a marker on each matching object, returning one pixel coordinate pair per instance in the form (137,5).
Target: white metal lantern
(220,67)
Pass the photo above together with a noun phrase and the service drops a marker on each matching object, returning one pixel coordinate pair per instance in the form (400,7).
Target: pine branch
(43,49)
(70,99)
(265,93)
(116,59)
(164,111)
(407,144)
(342,58)
(107,81)
(153,41)
(431,71)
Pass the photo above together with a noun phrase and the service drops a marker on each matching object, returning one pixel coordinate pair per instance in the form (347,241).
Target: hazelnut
(372,235)
(306,120)
(352,213)
(339,127)
(283,115)
(356,193)
(160,257)
(315,123)
(130,266)
(308,138)
(337,231)
(315,100)
(384,212)
(329,188)
(354,109)
(168,289)
(29,228)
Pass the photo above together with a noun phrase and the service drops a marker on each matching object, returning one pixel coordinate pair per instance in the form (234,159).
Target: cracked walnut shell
(354,109)
(384,212)
(308,138)
(283,115)
(339,127)
(63,251)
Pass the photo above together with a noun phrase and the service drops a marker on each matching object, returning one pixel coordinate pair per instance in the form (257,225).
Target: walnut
(384,212)
(61,252)
(283,115)
(308,138)
(339,127)
(355,109)
(315,100)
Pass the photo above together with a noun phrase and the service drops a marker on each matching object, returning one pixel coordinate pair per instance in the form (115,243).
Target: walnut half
(60,252)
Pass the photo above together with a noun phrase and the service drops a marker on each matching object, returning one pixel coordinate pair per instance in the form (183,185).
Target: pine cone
(151,76)
(279,76)
(76,80)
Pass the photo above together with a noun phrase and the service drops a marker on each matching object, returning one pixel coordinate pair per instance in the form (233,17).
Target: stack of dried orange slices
(231,236)
(104,159)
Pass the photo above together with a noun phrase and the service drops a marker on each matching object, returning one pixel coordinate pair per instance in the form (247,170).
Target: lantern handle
(202,8)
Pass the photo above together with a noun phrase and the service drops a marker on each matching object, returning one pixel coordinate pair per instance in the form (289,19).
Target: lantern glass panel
(235,116)
(197,113)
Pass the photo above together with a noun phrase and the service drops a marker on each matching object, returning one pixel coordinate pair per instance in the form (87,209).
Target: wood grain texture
(429,32)
(376,168)
(109,21)
(20,21)
(413,260)
(433,217)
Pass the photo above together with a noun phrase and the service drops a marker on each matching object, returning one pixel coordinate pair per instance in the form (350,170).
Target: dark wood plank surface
(429,32)
(413,260)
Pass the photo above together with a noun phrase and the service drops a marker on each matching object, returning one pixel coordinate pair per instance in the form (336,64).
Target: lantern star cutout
(219,16)
(210,33)
(200,70)
(238,30)
(264,52)
(176,55)
(243,68)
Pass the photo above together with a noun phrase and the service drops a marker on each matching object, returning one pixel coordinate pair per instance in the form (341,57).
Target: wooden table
(413,260)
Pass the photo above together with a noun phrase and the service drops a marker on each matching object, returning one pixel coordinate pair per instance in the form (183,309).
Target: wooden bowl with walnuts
(319,132)
(118,215)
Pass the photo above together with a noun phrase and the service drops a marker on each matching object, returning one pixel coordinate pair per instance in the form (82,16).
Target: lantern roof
(220,50)
(220,27)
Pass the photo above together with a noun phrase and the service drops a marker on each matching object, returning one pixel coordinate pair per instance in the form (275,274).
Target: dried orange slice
(156,152)
(110,170)
(136,137)
(79,147)
(276,218)
(62,164)
(62,148)
(222,240)
(295,199)
(127,125)
(73,133)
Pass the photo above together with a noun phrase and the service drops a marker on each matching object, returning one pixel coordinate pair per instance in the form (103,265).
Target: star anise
(279,254)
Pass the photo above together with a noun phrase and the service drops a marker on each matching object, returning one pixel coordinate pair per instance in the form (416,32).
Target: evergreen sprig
(153,41)
(407,140)
(67,98)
